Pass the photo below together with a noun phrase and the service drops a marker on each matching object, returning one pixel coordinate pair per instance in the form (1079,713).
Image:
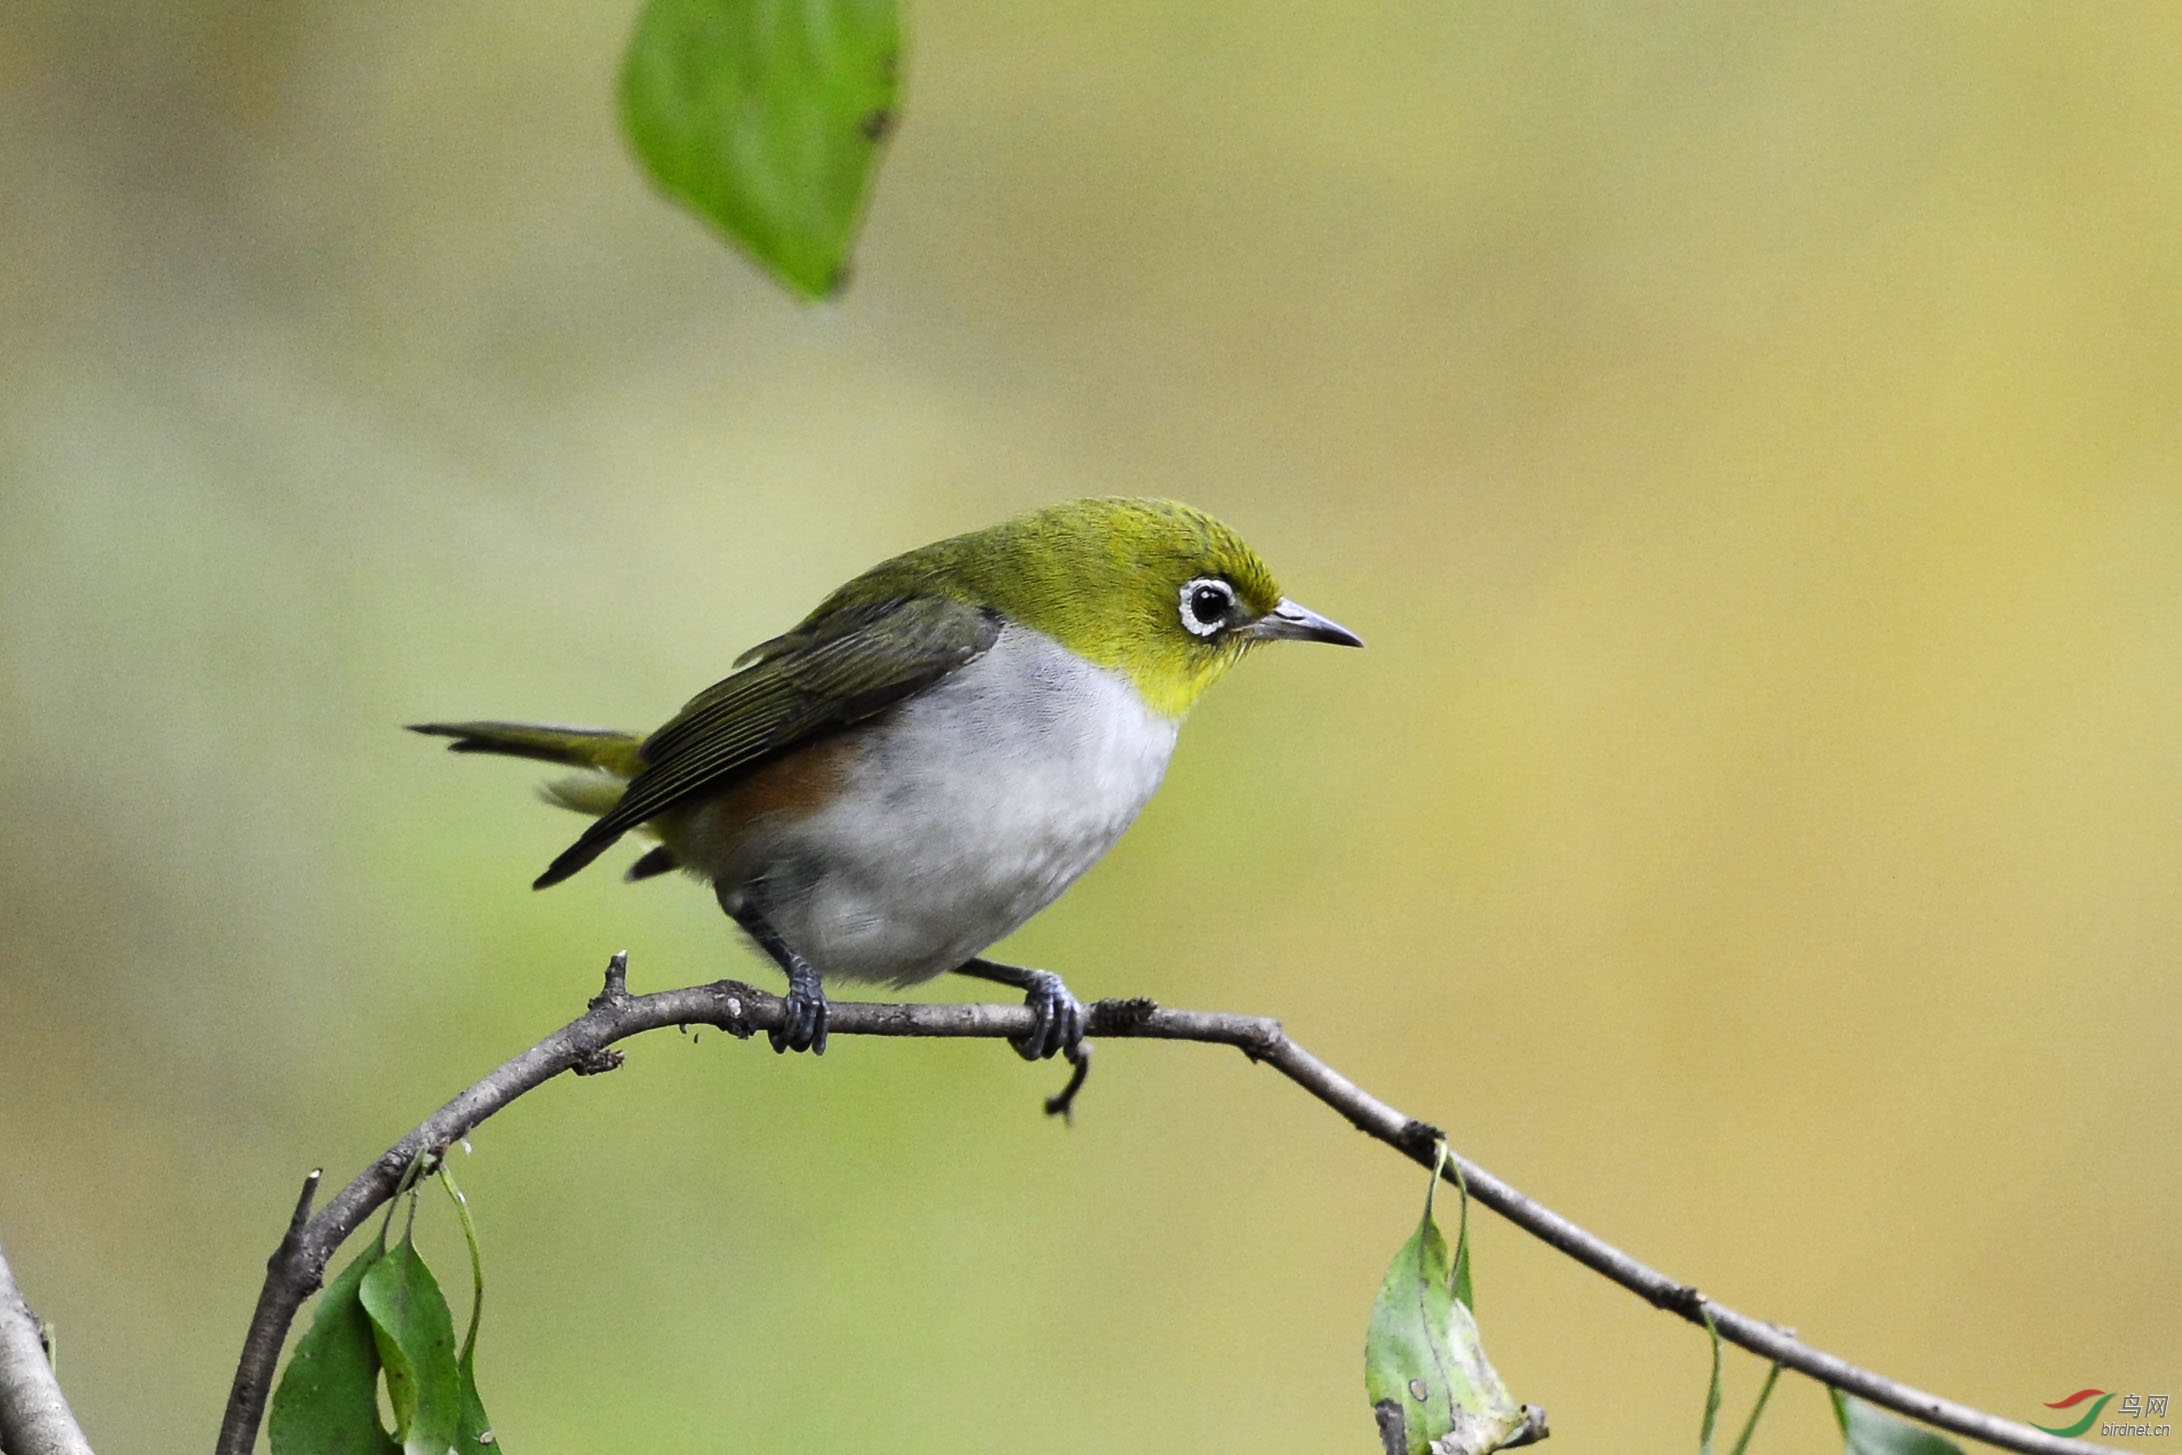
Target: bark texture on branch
(34,1414)
(584,1046)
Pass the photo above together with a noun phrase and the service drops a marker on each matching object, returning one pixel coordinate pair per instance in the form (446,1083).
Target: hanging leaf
(474,1427)
(328,1399)
(1868,1430)
(1460,1283)
(765,118)
(1431,1388)
(416,1341)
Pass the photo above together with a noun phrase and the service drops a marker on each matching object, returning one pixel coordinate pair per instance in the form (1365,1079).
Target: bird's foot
(1062,1103)
(1058,1026)
(802,1014)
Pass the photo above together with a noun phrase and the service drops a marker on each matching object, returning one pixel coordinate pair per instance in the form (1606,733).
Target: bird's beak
(1290,622)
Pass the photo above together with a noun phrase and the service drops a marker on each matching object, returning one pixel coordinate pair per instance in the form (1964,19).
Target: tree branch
(34,1415)
(583,1046)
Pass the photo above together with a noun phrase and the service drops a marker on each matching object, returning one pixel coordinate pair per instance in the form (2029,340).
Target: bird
(936,752)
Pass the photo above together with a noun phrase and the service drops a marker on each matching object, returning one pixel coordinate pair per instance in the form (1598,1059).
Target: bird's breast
(904,846)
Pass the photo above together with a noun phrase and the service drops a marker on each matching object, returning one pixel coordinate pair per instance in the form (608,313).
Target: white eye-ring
(1206,604)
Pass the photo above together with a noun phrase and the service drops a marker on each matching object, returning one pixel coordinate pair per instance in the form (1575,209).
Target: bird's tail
(610,757)
(607,759)
(602,748)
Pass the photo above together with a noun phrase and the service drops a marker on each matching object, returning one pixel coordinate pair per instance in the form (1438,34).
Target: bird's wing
(827,675)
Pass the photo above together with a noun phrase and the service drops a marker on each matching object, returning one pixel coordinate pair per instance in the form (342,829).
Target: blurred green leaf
(765,118)
(328,1399)
(416,1341)
(1868,1430)
(1431,1388)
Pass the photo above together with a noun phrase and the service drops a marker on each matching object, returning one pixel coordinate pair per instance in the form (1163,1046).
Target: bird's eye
(1206,603)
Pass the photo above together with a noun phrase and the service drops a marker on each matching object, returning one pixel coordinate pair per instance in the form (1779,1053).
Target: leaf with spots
(1431,1388)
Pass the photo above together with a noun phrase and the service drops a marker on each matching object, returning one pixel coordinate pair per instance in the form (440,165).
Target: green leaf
(1868,1430)
(1464,1294)
(1425,1372)
(328,1399)
(475,1426)
(765,118)
(416,1341)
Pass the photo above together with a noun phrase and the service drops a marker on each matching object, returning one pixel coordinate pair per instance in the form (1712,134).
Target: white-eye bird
(934,754)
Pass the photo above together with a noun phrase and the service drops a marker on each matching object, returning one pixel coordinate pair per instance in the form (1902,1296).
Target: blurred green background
(1747,437)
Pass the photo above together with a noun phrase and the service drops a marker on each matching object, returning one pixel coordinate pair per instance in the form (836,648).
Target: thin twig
(296,1269)
(34,1414)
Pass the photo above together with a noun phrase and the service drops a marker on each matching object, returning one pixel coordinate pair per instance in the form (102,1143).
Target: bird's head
(1153,589)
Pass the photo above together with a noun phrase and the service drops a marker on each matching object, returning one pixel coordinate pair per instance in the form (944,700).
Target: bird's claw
(1058,1023)
(802,1016)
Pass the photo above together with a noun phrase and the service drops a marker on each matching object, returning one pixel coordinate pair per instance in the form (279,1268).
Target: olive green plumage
(1098,576)
(604,748)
